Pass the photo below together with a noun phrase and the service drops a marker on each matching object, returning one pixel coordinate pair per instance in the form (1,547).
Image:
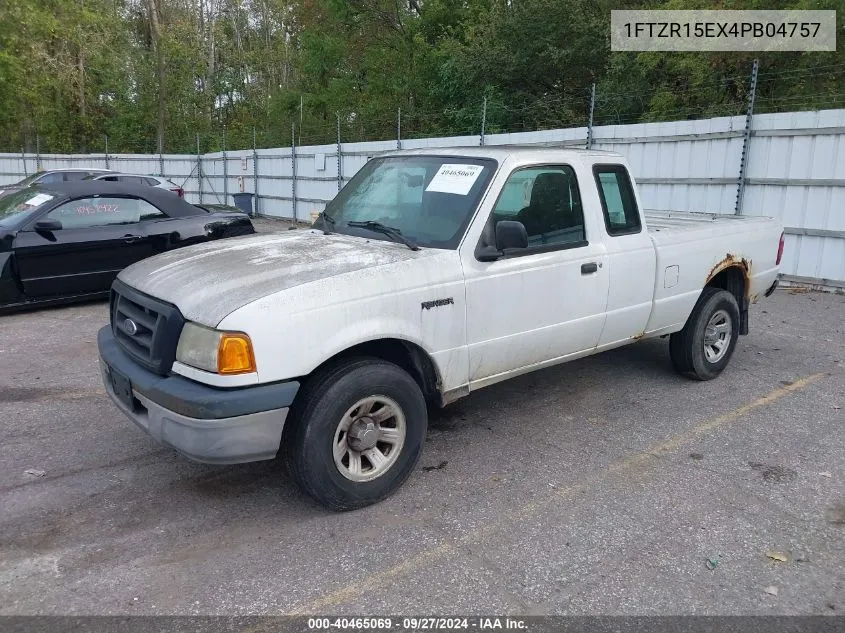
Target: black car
(67,242)
(217,208)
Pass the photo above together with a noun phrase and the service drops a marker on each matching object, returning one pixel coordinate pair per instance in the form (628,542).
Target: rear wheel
(704,347)
(356,433)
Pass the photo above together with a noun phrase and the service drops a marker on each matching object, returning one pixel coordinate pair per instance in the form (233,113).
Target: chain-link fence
(782,163)
(726,93)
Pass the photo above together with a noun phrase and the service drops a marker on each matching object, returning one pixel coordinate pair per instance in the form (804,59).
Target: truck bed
(692,248)
(681,222)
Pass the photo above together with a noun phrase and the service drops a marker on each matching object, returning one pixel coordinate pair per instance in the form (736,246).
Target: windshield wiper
(389,231)
(328,222)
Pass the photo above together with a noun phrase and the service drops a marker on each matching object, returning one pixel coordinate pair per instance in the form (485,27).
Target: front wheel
(704,347)
(356,433)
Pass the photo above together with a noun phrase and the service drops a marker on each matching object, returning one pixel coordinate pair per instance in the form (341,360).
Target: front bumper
(206,424)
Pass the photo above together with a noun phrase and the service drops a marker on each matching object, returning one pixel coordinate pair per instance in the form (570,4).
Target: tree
(150,71)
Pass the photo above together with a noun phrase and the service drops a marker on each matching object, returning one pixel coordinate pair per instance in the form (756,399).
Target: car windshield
(428,199)
(18,205)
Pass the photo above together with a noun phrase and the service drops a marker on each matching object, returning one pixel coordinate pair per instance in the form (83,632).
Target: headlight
(215,351)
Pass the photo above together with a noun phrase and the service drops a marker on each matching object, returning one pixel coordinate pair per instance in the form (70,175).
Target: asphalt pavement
(609,485)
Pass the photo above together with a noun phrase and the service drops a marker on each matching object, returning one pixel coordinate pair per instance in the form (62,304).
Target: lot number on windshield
(455,178)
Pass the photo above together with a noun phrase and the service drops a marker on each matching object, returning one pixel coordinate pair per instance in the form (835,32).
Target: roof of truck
(500,152)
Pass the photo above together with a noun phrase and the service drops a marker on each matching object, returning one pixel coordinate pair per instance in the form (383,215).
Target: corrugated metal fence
(795,171)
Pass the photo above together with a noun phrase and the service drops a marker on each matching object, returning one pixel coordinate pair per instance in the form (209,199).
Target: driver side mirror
(47,225)
(510,234)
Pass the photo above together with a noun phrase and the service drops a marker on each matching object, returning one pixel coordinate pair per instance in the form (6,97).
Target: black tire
(307,444)
(687,348)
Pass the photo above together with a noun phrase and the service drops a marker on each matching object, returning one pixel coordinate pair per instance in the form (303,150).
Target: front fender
(299,329)
(298,349)
(368,332)
(10,287)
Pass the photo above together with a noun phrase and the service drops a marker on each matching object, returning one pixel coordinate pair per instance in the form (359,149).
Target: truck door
(545,303)
(631,258)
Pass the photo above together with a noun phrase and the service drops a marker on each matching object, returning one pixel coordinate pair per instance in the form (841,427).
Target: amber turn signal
(234,354)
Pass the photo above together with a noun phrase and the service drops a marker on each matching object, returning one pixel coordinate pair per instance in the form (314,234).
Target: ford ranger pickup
(433,273)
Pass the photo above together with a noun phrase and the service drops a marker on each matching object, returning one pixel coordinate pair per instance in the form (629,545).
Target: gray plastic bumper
(219,426)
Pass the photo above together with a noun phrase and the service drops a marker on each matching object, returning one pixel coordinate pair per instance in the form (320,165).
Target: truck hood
(209,281)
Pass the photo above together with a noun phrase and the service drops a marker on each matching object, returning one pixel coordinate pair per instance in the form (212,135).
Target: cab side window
(619,206)
(102,211)
(134,180)
(52,178)
(546,200)
(147,211)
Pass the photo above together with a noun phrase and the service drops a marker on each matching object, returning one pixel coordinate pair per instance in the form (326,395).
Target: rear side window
(51,178)
(103,211)
(619,206)
(133,180)
(71,176)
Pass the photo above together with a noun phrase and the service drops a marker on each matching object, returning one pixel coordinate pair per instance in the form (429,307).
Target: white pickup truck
(431,274)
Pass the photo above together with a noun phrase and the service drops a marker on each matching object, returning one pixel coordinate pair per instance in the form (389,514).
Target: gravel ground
(603,486)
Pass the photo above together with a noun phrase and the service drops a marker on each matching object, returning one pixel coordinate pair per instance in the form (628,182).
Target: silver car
(140,179)
(54,176)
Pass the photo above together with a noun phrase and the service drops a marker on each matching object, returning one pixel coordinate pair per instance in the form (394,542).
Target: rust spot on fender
(733,261)
(637,337)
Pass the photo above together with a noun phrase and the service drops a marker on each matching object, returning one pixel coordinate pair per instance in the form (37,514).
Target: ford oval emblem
(130,327)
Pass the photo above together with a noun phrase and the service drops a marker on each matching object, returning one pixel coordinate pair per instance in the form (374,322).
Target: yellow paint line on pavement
(625,466)
(75,395)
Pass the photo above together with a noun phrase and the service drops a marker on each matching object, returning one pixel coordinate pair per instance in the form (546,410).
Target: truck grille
(146,328)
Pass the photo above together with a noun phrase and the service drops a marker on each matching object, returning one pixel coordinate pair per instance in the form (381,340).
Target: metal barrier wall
(788,165)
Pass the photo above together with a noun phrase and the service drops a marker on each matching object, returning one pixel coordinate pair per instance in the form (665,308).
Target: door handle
(129,239)
(587,269)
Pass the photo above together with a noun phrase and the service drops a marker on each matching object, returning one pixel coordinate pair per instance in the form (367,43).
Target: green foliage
(73,72)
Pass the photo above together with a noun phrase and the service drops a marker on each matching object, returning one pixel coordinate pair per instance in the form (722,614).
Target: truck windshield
(429,199)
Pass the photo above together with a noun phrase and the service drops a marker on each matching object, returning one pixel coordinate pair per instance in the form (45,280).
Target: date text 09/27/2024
(416,623)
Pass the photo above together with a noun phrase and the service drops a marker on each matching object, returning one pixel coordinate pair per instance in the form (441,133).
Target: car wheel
(704,347)
(356,433)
